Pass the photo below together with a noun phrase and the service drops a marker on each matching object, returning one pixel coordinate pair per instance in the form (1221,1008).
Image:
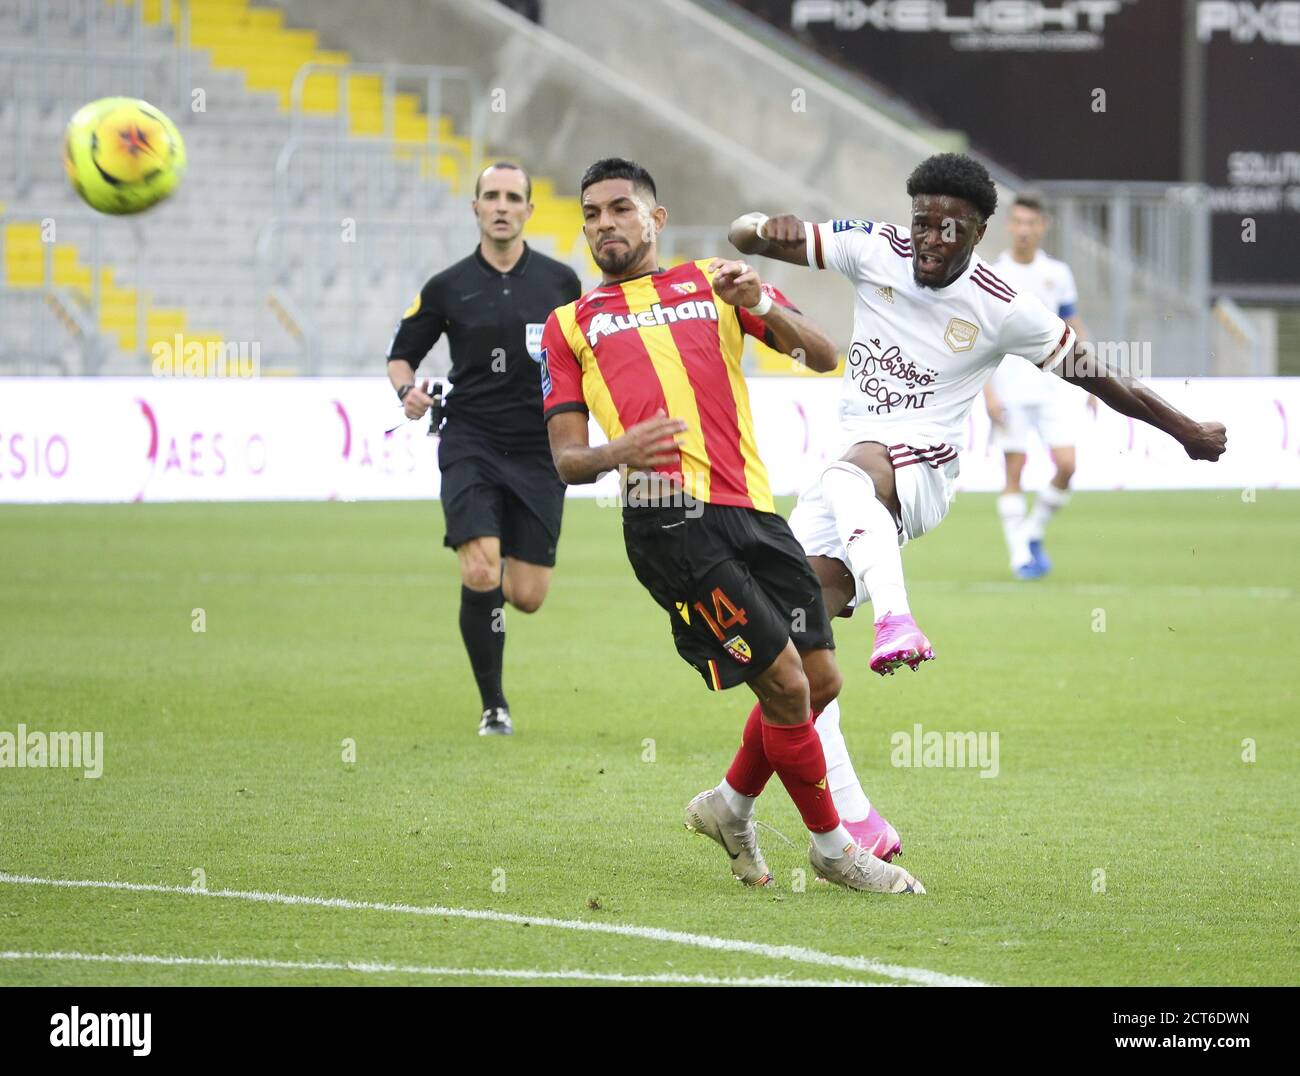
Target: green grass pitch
(1127,838)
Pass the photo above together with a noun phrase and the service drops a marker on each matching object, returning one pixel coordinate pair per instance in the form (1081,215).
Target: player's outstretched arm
(780,237)
(645,446)
(793,334)
(1128,396)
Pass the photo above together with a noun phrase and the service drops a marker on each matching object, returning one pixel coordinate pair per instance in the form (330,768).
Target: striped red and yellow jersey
(664,341)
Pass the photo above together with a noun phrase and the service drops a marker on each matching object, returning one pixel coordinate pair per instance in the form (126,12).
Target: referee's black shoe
(496,722)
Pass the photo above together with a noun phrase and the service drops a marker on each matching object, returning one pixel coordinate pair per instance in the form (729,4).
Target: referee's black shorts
(735,582)
(515,497)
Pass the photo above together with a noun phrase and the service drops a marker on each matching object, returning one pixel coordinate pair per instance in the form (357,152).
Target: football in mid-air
(123,155)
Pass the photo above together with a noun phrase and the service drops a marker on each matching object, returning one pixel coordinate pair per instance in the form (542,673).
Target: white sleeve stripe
(1058,353)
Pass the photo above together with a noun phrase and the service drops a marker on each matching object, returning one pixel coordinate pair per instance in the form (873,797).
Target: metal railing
(47,328)
(333,234)
(352,176)
(435,82)
(108,32)
(57,336)
(323,287)
(1245,342)
(1140,253)
(18,66)
(77,314)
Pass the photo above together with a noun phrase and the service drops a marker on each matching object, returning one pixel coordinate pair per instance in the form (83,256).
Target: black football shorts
(735,583)
(518,498)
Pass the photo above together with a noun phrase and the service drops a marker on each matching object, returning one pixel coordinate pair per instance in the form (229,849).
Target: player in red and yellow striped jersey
(664,341)
(655,356)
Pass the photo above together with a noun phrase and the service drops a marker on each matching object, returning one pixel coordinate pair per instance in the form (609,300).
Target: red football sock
(795,752)
(750,769)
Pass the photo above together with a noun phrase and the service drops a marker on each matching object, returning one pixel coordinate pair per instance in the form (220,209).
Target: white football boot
(709,815)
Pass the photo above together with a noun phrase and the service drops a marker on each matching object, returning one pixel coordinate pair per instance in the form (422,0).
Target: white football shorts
(924,477)
(1054,417)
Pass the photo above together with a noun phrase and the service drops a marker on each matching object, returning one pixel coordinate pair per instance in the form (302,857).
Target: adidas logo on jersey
(658,314)
(886,293)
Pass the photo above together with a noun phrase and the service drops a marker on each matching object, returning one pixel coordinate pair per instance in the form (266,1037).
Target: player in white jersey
(931,322)
(1021,399)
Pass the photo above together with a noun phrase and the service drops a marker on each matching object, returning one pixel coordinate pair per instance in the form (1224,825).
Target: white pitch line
(799,954)
(370,967)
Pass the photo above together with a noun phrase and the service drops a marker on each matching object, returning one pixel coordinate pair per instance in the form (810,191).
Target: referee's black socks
(483,627)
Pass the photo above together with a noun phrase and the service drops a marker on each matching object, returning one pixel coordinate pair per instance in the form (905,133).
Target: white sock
(741,806)
(832,844)
(850,800)
(870,535)
(1011,510)
(1047,504)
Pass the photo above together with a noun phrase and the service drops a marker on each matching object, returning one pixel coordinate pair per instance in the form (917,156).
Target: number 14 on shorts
(725,616)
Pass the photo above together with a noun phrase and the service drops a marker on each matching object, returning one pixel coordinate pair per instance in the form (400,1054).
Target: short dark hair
(528,180)
(618,168)
(957,176)
(1030,200)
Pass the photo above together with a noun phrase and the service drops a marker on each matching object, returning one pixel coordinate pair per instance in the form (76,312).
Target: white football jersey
(1051,281)
(920,355)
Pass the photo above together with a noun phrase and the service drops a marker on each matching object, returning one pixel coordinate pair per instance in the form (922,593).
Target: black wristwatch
(401,393)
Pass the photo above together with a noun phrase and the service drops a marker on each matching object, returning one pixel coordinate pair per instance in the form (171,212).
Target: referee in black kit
(500,493)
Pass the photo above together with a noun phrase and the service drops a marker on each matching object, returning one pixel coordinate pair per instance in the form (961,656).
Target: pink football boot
(899,642)
(876,835)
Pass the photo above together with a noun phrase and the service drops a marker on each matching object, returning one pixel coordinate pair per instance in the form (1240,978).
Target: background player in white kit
(1021,399)
(930,324)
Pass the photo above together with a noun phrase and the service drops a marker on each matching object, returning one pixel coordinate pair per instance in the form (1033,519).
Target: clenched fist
(784,231)
(1207,441)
